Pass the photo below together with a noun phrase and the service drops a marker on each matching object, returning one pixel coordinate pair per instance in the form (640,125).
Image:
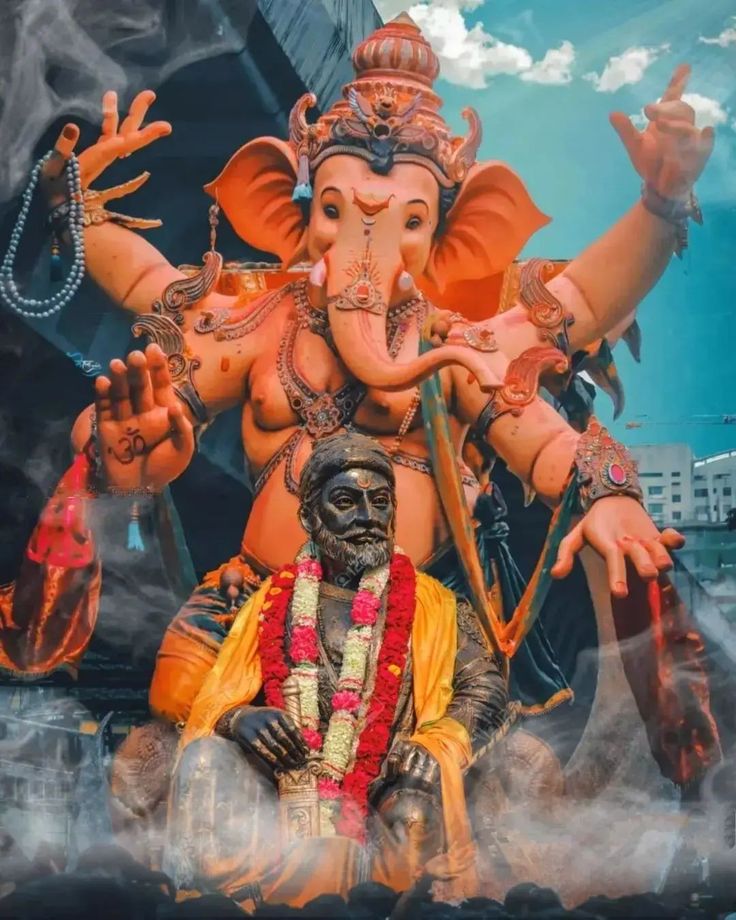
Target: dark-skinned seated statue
(328,743)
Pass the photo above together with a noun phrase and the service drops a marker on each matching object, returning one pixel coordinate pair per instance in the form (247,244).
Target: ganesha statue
(391,234)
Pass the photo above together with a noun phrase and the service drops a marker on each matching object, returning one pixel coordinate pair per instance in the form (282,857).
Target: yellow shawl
(235,679)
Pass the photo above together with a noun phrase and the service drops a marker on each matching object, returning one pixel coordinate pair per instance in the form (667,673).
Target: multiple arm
(603,286)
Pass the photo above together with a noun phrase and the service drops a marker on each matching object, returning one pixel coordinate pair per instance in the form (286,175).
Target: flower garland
(272,633)
(343,798)
(375,738)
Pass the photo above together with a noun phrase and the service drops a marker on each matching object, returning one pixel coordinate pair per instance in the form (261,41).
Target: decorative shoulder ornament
(521,385)
(389,113)
(183,293)
(604,467)
(545,310)
(182,363)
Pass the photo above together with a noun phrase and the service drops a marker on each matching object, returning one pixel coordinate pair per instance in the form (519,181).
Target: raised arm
(150,405)
(126,266)
(608,280)
(596,296)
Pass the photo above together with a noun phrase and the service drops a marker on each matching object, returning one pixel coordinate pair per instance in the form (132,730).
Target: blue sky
(544,76)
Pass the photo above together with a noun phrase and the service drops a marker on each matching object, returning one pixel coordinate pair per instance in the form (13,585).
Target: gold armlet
(546,312)
(604,467)
(521,385)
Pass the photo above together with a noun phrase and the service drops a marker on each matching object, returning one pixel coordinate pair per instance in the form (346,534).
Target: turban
(341,452)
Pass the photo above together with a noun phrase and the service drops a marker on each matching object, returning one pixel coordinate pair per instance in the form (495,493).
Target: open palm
(116,140)
(144,438)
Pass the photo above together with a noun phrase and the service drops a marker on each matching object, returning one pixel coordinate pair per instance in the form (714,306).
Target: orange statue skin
(412,246)
(491,220)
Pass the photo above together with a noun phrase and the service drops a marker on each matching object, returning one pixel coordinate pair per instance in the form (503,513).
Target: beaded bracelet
(30,307)
(675,211)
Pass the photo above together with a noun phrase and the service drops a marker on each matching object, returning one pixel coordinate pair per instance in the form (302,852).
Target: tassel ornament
(56,267)
(303,188)
(135,537)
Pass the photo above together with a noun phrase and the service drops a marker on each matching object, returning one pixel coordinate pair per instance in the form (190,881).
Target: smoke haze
(57,58)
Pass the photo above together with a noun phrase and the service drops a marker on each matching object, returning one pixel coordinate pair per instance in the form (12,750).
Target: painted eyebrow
(331,188)
(418,201)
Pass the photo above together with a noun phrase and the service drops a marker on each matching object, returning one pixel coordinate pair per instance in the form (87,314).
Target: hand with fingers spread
(144,438)
(270,735)
(116,140)
(619,528)
(671,152)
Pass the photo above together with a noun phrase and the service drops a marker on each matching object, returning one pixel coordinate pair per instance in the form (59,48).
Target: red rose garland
(272,635)
(374,739)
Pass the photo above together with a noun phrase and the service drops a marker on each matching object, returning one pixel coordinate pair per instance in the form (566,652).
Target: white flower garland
(340,736)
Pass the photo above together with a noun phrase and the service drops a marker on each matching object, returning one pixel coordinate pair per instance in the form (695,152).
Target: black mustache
(365,532)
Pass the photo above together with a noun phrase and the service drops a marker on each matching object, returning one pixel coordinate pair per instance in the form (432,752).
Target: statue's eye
(331,211)
(414,223)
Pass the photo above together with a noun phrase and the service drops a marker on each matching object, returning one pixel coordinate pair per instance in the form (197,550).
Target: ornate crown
(389,113)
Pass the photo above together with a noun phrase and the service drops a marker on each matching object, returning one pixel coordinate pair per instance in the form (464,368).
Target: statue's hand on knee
(410,815)
(412,766)
(270,735)
(408,800)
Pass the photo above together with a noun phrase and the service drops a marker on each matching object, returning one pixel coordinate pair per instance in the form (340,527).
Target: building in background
(714,480)
(666,473)
(679,489)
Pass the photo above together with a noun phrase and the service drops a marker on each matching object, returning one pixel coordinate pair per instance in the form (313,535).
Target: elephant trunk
(363,269)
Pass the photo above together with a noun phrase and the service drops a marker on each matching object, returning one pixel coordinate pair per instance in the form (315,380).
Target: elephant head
(392,199)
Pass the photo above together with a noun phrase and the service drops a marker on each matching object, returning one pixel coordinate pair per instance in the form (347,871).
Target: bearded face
(351,519)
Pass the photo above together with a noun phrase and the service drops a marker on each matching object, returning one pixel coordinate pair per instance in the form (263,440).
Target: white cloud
(726,38)
(625,69)
(554,68)
(709,113)
(390,9)
(469,56)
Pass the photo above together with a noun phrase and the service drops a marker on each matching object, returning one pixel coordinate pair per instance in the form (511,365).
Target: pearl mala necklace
(30,307)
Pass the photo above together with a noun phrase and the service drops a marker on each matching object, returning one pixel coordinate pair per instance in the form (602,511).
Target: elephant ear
(254,190)
(487,226)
